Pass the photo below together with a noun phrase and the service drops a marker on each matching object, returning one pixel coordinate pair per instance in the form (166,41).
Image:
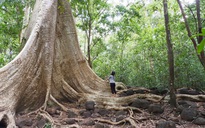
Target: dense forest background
(128,38)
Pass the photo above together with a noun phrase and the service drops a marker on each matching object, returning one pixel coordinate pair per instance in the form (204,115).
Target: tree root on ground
(128,119)
(131,119)
(47,116)
(59,104)
(44,114)
(158,98)
(142,89)
(196,98)
(71,126)
(126,108)
(42,111)
(7,119)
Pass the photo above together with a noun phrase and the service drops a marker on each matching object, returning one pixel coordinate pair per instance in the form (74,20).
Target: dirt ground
(78,117)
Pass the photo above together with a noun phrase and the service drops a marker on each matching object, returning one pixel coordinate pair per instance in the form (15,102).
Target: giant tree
(51,66)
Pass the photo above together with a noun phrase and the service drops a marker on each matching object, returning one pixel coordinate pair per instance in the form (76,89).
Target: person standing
(112,82)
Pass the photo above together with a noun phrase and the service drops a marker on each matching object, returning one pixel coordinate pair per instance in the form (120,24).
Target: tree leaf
(203,31)
(200,47)
(197,35)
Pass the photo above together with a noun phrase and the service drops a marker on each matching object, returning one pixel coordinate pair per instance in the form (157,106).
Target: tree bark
(200,38)
(170,56)
(89,38)
(50,64)
(27,12)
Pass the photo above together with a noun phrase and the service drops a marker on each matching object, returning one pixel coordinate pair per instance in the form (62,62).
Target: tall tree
(92,18)
(170,56)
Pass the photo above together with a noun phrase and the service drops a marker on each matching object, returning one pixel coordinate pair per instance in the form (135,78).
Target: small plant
(200,47)
(47,125)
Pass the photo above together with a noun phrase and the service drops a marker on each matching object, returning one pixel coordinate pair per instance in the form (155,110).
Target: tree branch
(187,24)
(193,17)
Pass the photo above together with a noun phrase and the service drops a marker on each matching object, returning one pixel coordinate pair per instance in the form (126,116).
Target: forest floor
(78,117)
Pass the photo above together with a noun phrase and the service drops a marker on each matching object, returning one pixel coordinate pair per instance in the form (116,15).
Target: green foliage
(128,39)
(93,21)
(11,16)
(137,51)
(48,125)
(200,47)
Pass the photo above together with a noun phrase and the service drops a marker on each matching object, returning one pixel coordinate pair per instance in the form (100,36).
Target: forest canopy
(129,39)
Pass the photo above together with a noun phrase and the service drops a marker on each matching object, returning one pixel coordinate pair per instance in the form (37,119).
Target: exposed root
(126,108)
(47,116)
(131,112)
(138,119)
(131,119)
(47,98)
(158,98)
(196,98)
(136,89)
(150,97)
(152,122)
(43,113)
(120,86)
(7,119)
(163,97)
(44,106)
(59,104)
(71,126)
(128,119)
(111,122)
(42,110)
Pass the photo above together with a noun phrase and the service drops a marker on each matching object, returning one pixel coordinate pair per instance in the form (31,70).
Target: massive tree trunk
(50,65)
